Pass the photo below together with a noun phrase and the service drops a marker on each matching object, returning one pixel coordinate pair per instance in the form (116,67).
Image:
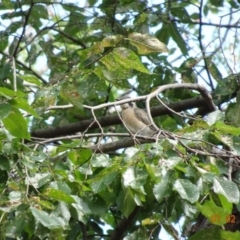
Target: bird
(136,120)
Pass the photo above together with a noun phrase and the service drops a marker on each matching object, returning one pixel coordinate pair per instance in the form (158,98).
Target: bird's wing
(143,117)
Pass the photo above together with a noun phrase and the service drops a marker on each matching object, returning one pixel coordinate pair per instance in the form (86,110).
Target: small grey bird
(136,119)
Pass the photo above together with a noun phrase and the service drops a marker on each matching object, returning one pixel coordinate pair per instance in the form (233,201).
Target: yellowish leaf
(146,43)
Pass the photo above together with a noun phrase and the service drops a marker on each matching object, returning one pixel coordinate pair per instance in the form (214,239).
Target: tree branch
(201,45)
(115,145)
(123,225)
(236,25)
(105,121)
(27,16)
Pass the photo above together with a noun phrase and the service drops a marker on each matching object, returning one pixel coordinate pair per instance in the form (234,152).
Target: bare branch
(201,45)
(114,119)
(27,16)
(197,87)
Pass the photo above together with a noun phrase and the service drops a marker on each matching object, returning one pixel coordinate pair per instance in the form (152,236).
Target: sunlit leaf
(146,43)
(58,195)
(16,124)
(70,93)
(128,59)
(8,93)
(233,114)
(111,41)
(47,220)
(215,233)
(216,215)
(38,180)
(31,79)
(80,156)
(163,188)
(23,104)
(227,188)
(186,190)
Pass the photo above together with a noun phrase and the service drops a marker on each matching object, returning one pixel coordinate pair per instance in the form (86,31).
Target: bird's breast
(132,122)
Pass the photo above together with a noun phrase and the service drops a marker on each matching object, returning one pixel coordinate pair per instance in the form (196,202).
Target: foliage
(67,171)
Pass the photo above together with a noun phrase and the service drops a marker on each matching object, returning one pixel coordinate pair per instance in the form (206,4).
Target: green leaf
(233,114)
(61,186)
(81,208)
(212,67)
(236,144)
(23,104)
(58,195)
(225,88)
(215,233)
(78,157)
(129,177)
(98,186)
(16,124)
(227,129)
(225,204)
(104,178)
(8,4)
(46,204)
(127,202)
(111,41)
(101,160)
(114,74)
(217,3)
(3,176)
(31,79)
(5,109)
(38,180)
(81,204)
(153,172)
(70,93)
(40,11)
(216,215)
(134,178)
(189,210)
(163,33)
(7,93)
(47,220)
(162,189)
(188,74)
(4,163)
(171,162)
(128,59)
(181,13)
(140,234)
(186,190)
(227,188)
(177,37)
(214,117)
(17,225)
(4,41)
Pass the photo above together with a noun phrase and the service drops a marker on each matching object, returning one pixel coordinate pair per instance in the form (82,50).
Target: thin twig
(14,75)
(105,121)
(160,89)
(201,45)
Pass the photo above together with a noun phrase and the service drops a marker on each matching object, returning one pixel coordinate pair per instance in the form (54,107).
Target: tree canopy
(69,169)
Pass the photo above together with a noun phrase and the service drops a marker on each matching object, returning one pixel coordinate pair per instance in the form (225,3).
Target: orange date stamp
(217,218)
